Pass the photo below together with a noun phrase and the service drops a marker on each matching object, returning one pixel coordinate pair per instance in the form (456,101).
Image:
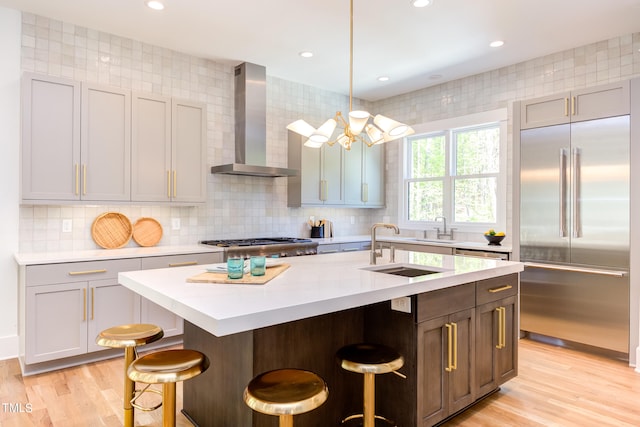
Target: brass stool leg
(129,357)
(369,400)
(286,420)
(169,404)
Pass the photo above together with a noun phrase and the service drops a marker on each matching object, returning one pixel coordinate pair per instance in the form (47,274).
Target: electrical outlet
(175,223)
(402,304)
(67,225)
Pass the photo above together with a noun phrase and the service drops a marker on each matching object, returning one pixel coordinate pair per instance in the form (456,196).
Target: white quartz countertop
(104,254)
(313,285)
(446,243)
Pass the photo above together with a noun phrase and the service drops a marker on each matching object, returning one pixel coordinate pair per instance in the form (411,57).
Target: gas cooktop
(255,242)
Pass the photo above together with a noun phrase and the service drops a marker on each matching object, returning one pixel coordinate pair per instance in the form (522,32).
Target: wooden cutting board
(247,279)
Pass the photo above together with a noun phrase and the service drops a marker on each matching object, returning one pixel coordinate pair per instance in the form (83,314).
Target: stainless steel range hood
(251,126)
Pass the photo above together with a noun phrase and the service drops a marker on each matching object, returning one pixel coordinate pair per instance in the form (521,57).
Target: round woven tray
(147,232)
(111,230)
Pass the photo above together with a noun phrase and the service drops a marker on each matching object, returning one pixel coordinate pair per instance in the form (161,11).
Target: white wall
(9,178)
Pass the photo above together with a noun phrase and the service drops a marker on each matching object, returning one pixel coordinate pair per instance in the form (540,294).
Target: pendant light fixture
(358,126)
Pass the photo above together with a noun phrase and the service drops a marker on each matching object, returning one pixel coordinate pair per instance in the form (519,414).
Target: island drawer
(445,301)
(496,288)
(68,272)
(183,260)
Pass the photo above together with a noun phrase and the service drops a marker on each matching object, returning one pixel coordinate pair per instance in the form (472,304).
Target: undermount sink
(406,270)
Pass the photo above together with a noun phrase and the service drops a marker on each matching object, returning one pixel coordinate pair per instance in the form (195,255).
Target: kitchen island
(300,318)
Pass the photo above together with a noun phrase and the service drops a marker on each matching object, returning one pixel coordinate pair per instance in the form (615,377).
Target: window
(457,172)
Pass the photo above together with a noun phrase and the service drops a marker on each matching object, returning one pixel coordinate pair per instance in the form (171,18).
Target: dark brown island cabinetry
(459,344)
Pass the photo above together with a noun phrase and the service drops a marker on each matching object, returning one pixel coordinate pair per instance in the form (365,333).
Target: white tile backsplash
(249,206)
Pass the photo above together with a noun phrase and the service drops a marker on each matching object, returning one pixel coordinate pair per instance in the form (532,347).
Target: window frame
(448,126)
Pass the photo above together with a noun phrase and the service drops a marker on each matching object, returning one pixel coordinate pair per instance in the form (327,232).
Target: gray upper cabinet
(151,148)
(105,148)
(586,104)
(333,176)
(188,151)
(168,150)
(51,138)
(84,142)
(364,176)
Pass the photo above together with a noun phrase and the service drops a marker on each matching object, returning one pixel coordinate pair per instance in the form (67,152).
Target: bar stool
(370,360)
(167,367)
(285,393)
(129,337)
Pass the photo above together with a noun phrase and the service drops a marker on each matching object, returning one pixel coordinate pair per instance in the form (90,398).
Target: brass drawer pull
(502,335)
(182,264)
(79,273)
(500,289)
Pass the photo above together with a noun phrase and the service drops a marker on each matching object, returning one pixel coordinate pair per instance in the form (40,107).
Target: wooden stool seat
(168,367)
(129,337)
(370,360)
(285,393)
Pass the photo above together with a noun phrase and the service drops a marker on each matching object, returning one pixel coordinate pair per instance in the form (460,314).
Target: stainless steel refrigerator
(574,232)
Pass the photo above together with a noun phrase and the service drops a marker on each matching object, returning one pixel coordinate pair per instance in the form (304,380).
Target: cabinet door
(56,321)
(496,344)
(151,148)
(354,191)
(545,111)
(110,304)
(311,175)
(462,377)
(599,102)
(373,184)
(433,387)
(332,192)
(151,312)
(50,138)
(188,152)
(106,144)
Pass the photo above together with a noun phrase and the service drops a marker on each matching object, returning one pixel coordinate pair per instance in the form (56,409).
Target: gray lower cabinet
(446,250)
(66,305)
(459,344)
(343,247)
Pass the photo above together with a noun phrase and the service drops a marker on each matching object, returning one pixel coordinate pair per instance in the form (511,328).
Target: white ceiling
(449,38)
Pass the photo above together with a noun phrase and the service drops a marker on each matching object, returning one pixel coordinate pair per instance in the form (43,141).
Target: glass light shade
(357,121)
(312,144)
(375,134)
(390,126)
(301,127)
(323,134)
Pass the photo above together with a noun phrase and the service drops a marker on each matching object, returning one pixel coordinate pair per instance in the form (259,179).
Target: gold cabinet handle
(449,367)
(502,334)
(175,183)
(84,304)
(182,264)
(323,190)
(79,273)
(574,105)
(77,179)
(169,184)
(566,107)
(455,346)
(92,298)
(365,192)
(500,289)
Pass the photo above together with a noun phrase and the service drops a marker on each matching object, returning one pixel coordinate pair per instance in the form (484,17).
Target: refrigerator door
(600,196)
(545,209)
(589,306)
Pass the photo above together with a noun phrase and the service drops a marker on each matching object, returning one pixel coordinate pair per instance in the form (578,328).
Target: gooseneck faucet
(444,231)
(374,252)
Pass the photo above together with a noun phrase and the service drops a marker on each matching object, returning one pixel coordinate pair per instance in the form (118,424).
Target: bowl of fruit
(494,237)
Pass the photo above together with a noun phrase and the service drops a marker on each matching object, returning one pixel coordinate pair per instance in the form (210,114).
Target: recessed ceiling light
(306,54)
(421,3)
(496,43)
(155,4)
(383,78)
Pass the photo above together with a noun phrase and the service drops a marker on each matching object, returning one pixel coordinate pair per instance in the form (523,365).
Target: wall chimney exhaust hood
(251,126)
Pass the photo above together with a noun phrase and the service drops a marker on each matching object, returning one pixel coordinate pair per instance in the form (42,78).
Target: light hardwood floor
(555,387)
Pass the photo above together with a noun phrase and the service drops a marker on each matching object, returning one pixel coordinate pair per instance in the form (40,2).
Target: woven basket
(147,232)
(111,230)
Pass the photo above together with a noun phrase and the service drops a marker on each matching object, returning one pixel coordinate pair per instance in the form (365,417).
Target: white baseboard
(8,347)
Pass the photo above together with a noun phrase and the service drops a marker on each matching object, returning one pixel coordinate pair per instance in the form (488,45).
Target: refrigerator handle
(576,193)
(563,200)
(601,272)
